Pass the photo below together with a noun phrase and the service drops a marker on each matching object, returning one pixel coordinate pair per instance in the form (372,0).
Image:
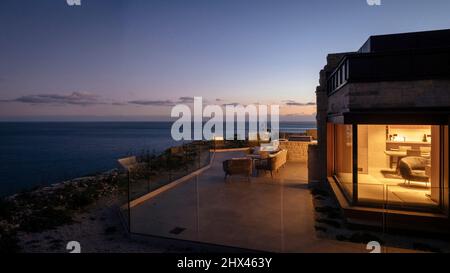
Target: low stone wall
(297,150)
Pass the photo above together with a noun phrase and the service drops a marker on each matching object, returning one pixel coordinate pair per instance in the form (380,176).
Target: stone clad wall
(322,113)
(379,95)
(297,150)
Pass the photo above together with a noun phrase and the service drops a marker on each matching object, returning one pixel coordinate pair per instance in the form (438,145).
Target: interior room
(398,165)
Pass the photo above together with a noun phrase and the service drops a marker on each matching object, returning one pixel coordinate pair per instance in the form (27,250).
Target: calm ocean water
(33,154)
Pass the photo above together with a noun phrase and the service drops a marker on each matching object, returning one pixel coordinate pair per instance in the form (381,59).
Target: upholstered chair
(412,168)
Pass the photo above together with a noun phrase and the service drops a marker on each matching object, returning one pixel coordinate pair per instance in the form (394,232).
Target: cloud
(294,103)
(84,99)
(186,100)
(166,102)
(75,98)
(232,104)
(119,103)
(152,102)
(190,100)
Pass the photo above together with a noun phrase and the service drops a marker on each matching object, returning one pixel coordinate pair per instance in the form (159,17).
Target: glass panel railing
(371,194)
(420,210)
(255,212)
(235,213)
(152,172)
(148,173)
(240,212)
(345,182)
(123,198)
(171,214)
(413,197)
(359,224)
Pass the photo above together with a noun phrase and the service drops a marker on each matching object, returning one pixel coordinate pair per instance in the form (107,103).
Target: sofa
(238,166)
(412,168)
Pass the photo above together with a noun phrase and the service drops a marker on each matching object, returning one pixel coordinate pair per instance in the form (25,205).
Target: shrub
(80,200)
(46,218)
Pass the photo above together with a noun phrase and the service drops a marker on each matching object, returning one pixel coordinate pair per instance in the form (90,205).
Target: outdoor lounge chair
(412,168)
(235,166)
(273,162)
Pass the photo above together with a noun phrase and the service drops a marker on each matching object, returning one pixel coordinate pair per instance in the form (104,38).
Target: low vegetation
(46,208)
(50,207)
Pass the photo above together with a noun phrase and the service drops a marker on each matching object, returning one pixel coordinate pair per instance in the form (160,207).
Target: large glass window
(343,162)
(399,165)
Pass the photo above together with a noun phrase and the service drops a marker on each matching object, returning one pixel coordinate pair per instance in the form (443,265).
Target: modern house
(383,115)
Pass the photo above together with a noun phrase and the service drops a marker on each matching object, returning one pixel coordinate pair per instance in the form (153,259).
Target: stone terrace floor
(263,214)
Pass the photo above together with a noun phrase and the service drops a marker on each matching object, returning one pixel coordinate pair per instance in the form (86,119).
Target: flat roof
(407,41)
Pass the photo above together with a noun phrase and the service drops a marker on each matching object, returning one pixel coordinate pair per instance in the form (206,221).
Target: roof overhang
(393,116)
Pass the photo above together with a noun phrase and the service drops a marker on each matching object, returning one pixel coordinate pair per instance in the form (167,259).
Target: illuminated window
(399,166)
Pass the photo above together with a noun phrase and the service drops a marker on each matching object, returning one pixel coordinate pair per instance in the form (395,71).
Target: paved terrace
(265,214)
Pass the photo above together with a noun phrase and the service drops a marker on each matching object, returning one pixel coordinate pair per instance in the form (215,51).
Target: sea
(36,154)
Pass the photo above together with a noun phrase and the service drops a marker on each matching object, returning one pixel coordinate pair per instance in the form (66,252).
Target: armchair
(412,168)
(241,166)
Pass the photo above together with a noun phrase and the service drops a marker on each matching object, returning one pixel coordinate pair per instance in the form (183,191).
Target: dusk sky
(134,59)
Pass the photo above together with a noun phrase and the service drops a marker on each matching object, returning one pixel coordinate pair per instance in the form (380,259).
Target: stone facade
(392,94)
(322,112)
